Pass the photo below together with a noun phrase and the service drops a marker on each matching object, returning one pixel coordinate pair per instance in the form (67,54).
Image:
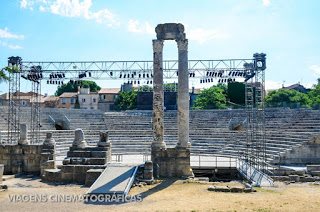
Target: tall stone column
(158,96)
(23,135)
(183,95)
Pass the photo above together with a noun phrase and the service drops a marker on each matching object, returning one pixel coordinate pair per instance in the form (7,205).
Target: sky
(105,30)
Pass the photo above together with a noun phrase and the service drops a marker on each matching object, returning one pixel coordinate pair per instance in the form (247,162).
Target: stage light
(111,73)
(120,76)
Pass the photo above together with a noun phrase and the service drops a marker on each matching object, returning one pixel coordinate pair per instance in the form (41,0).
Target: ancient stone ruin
(171,161)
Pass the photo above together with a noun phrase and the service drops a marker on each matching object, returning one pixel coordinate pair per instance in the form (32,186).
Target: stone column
(183,95)
(23,135)
(158,96)
(79,141)
(49,141)
(104,139)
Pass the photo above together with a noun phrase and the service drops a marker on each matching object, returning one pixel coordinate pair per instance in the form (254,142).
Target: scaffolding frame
(15,64)
(255,149)
(35,112)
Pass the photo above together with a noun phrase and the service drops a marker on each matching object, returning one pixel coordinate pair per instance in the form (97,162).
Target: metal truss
(255,151)
(127,70)
(35,112)
(14,100)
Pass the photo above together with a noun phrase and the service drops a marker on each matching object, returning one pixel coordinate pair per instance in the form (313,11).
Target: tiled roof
(109,90)
(68,94)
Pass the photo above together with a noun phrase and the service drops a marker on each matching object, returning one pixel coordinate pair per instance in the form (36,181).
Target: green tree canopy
(276,98)
(314,94)
(211,98)
(5,71)
(68,87)
(126,100)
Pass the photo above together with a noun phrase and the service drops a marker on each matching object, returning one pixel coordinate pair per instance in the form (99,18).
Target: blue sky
(73,30)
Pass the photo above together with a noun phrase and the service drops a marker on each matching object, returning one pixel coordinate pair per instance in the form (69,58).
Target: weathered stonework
(158,96)
(171,161)
(79,141)
(23,140)
(80,159)
(48,155)
(21,158)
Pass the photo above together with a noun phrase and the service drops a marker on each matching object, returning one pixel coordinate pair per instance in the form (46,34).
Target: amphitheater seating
(131,132)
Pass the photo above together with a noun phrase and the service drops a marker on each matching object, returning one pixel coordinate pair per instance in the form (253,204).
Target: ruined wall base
(171,162)
(307,153)
(21,158)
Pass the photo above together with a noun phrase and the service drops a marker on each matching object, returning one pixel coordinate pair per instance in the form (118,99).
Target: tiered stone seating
(209,133)
(131,132)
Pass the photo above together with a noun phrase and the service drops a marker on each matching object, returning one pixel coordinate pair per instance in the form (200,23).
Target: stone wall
(307,153)
(171,162)
(21,158)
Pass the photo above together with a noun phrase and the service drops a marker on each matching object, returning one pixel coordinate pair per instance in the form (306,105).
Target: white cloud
(14,47)
(73,8)
(266,2)
(202,35)
(4,33)
(27,4)
(41,8)
(137,27)
(315,68)
(271,85)
(4,44)
(23,4)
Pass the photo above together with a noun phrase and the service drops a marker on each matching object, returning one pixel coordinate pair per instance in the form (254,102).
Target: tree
(126,100)
(314,94)
(211,98)
(4,72)
(74,88)
(276,98)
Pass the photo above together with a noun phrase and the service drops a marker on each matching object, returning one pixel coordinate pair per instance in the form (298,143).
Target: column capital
(157,45)
(182,45)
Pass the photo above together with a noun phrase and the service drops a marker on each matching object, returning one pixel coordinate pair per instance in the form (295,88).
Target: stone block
(311,168)
(66,177)
(307,179)
(96,161)
(78,169)
(294,178)
(148,165)
(79,177)
(236,189)
(1,172)
(93,174)
(99,154)
(148,174)
(315,173)
(67,169)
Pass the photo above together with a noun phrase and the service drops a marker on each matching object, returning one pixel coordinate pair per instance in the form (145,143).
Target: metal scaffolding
(15,64)
(255,151)
(35,112)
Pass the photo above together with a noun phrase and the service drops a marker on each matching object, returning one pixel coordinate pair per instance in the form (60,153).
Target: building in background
(107,97)
(88,100)
(67,100)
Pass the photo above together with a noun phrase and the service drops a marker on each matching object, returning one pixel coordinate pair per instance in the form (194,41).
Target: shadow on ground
(165,183)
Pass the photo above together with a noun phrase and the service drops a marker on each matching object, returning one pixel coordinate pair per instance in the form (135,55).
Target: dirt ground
(167,195)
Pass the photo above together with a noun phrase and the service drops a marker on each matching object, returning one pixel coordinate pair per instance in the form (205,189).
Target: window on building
(64,101)
(72,101)
(92,108)
(103,97)
(83,100)
(94,100)
(23,103)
